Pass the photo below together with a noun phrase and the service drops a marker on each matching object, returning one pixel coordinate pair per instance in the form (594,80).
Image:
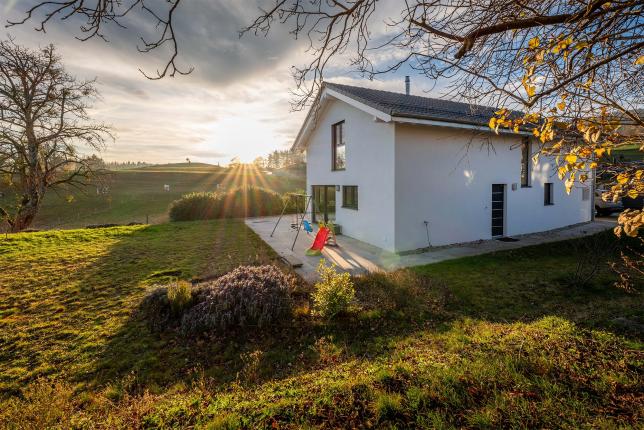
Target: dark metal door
(498,209)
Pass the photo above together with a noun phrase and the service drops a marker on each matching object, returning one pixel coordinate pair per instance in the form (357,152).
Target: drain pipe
(429,244)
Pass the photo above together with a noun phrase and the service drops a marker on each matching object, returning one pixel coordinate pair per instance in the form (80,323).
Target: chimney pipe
(407,85)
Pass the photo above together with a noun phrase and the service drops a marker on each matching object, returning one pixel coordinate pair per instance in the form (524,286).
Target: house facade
(403,172)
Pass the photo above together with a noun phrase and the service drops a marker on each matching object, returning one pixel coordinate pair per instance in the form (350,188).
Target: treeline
(280,159)
(98,163)
(116,165)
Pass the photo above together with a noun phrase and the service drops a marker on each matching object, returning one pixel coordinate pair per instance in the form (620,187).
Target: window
(547,194)
(350,196)
(585,194)
(338,149)
(525,163)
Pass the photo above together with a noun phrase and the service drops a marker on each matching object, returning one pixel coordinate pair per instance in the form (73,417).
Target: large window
(525,163)
(350,196)
(547,194)
(338,149)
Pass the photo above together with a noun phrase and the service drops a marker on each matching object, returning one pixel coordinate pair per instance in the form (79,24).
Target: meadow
(504,340)
(138,195)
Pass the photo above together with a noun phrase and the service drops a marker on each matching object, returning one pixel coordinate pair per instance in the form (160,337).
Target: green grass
(68,297)
(137,195)
(495,341)
(628,153)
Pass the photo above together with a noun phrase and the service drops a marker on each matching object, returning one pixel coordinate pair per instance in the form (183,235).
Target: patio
(357,257)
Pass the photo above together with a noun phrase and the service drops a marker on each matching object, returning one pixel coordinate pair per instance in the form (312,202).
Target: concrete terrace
(357,257)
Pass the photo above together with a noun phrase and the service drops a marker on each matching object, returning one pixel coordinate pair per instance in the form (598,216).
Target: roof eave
(441,122)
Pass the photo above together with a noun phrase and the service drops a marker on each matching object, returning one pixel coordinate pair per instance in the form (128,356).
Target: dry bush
(248,296)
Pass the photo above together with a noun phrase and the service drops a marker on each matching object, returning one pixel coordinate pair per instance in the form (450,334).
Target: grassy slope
(137,193)
(67,297)
(629,153)
(491,341)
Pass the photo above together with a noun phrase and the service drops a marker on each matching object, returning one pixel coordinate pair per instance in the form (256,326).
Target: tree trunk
(26,212)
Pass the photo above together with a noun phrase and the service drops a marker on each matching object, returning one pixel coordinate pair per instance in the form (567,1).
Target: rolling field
(494,341)
(138,195)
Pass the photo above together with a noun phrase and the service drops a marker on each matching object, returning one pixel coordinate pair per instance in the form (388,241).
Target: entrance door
(323,203)
(498,209)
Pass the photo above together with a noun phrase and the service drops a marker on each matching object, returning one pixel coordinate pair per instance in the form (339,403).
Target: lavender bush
(248,296)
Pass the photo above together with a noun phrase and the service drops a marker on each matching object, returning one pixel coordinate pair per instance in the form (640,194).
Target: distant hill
(181,167)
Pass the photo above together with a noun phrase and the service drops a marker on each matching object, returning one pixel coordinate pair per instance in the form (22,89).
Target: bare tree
(99,14)
(43,121)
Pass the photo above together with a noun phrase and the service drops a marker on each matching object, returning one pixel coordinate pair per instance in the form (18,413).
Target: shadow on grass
(117,343)
(518,285)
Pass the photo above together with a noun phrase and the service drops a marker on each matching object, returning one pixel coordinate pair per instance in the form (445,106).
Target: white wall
(445,176)
(369,165)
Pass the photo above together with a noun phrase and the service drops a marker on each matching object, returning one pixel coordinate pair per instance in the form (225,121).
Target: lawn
(629,153)
(138,195)
(500,340)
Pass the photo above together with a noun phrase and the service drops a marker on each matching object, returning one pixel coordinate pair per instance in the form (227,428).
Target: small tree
(43,122)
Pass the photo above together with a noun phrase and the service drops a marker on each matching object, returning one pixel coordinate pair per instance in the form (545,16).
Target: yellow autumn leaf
(569,184)
(622,179)
(561,173)
(633,194)
(571,158)
(581,45)
(593,165)
(561,105)
(533,43)
(531,90)
(492,123)
(639,61)
(599,152)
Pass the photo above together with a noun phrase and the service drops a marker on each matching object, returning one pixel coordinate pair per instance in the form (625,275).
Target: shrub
(179,296)
(193,206)
(236,203)
(250,201)
(163,306)
(333,293)
(247,296)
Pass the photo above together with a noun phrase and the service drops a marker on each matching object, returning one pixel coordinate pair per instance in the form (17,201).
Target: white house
(404,172)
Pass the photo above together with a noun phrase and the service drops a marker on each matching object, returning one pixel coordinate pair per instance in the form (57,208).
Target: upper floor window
(338,147)
(525,163)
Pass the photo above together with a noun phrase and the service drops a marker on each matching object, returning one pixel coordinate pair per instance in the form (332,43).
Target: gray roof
(402,105)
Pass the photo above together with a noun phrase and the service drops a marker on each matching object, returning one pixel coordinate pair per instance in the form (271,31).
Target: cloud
(235,103)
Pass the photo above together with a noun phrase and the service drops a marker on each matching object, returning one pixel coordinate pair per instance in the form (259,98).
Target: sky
(236,102)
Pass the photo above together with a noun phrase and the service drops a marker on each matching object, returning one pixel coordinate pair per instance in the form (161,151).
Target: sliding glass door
(323,203)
